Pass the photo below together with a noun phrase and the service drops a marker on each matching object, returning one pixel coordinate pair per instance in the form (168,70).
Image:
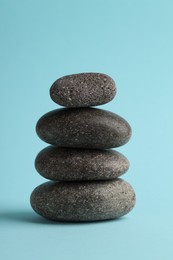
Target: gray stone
(70,164)
(83,128)
(83,201)
(83,90)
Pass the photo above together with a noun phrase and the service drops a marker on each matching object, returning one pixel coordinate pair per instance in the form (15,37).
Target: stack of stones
(82,167)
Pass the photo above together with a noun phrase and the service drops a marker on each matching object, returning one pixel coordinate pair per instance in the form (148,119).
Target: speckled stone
(83,90)
(83,201)
(70,164)
(83,128)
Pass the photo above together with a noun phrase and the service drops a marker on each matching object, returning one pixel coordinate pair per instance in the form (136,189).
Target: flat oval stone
(70,164)
(83,90)
(83,201)
(83,128)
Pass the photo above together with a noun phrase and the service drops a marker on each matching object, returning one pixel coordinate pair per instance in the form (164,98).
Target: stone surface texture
(70,164)
(83,90)
(83,201)
(83,128)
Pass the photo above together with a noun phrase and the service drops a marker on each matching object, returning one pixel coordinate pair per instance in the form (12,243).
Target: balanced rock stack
(82,168)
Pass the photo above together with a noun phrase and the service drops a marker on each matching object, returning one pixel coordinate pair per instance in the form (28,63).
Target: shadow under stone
(28,216)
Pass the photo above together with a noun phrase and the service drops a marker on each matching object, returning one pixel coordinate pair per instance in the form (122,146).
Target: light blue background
(132,41)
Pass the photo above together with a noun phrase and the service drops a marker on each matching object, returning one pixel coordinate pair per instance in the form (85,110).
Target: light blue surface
(132,41)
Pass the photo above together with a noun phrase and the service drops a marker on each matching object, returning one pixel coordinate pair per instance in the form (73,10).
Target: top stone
(83,90)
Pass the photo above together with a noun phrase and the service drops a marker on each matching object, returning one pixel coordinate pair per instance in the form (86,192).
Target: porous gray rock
(83,201)
(83,90)
(70,164)
(83,128)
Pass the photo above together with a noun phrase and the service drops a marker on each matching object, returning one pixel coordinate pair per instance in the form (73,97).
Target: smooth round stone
(70,164)
(83,90)
(83,128)
(83,201)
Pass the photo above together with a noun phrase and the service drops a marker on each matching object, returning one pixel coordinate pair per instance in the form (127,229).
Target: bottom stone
(83,201)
